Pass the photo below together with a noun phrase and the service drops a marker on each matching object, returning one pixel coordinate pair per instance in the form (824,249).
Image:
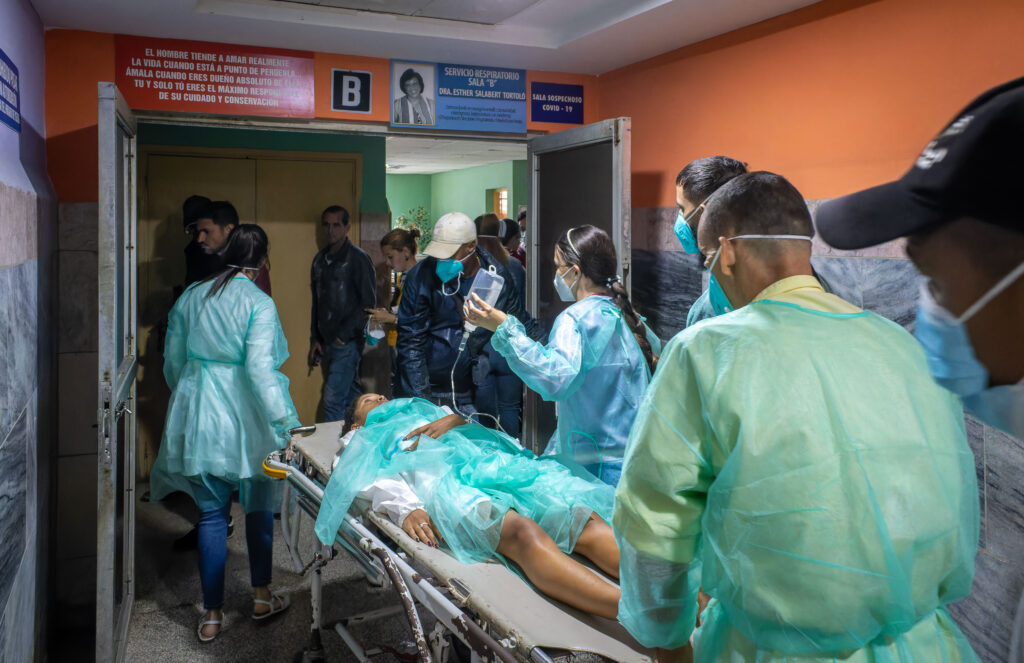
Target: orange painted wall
(76,61)
(838,96)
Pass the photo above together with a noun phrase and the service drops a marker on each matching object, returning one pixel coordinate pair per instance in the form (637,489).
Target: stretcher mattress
(504,599)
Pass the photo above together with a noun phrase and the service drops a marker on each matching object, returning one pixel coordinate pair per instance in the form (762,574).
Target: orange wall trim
(77,60)
(837,96)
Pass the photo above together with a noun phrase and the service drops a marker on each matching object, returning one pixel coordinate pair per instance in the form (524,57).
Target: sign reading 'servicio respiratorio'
(202,77)
(556,102)
(10,93)
(458,97)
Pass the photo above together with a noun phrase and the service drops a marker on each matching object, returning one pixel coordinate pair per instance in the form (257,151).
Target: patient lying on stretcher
(480,493)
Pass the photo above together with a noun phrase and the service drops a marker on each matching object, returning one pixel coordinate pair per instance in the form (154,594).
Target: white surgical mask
(563,289)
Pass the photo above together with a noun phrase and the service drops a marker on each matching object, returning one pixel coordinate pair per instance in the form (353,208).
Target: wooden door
(284,192)
(291,195)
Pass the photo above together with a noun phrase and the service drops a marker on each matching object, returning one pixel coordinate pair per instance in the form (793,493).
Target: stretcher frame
(479,621)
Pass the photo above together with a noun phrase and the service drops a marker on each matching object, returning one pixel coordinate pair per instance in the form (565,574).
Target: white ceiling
(416,154)
(580,36)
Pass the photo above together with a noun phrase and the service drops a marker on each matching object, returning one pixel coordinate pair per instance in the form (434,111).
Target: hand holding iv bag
(487,286)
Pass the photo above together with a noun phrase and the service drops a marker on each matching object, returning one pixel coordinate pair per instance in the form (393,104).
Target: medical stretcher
(491,610)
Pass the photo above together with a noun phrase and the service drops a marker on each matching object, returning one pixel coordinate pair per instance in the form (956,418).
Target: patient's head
(357,411)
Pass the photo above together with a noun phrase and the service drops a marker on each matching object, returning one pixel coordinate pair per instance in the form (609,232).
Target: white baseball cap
(450,232)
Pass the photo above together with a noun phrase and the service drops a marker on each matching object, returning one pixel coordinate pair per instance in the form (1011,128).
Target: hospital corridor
(532,331)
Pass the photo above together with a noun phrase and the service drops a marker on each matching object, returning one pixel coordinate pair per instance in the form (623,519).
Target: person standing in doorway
(213,223)
(343,282)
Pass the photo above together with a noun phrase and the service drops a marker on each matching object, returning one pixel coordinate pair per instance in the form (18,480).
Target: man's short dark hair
(336,209)
(759,203)
(192,208)
(702,177)
(407,76)
(221,212)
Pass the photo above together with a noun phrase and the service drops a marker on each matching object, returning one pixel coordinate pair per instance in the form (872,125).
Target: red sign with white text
(225,79)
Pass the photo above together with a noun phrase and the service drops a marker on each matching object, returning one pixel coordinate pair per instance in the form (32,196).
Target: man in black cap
(959,207)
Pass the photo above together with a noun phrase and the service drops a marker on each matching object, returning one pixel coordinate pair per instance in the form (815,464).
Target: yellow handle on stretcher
(274,473)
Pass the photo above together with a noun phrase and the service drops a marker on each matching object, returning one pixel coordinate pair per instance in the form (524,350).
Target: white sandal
(203,623)
(278,603)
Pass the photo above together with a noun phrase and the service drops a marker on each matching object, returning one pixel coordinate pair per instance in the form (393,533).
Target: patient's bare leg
(597,543)
(555,573)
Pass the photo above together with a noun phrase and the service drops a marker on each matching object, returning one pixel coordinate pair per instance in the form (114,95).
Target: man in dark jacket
(343,283)
(430,321)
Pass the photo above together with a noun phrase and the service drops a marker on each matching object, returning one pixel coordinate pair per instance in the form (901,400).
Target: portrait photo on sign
(413,93)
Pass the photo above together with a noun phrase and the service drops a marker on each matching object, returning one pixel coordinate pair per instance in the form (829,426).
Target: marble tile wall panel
(8,399)
(976,439)
(22,313)
(17,630)
(78,307)
(77,226)
(1004,492)
(13,452)
(986,615)
(886,286)
(18,214)
(652,230)
(664,286)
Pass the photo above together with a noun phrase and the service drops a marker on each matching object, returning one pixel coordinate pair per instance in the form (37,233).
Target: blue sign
(458,97)
(10,93)
(555,102)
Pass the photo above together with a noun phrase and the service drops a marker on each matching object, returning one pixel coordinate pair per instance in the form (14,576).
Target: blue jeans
(213,541)
(500,394)
(341,378)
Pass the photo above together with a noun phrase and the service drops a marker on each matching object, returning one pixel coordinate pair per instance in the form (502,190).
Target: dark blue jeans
(500,394)
(213,544)
(341,378)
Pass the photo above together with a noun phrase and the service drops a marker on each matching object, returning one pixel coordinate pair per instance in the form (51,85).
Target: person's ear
(727,257)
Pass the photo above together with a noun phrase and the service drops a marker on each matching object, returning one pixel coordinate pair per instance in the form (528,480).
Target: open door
(577,176)
(118,364)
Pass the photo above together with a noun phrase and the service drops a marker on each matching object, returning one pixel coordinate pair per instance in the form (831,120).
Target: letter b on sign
(350,91)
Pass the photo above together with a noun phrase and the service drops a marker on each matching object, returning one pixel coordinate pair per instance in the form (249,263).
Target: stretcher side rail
(536,628)
(410,584)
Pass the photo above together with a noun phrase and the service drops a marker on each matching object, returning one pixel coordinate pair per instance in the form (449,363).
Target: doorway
(284,193)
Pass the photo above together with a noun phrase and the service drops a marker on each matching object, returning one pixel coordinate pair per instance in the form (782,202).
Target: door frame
(117,350)
(618,132)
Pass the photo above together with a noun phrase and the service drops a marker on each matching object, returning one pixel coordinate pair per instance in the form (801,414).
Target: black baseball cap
(972,168)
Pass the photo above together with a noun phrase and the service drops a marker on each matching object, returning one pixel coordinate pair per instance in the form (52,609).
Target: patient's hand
(421,528)
(435,429)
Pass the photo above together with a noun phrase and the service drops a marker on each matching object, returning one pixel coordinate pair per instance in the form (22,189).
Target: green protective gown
(229,404)
(804,469)
(594,369)
(468,479)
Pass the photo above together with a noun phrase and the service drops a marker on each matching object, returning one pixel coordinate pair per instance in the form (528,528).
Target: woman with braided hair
(598,359)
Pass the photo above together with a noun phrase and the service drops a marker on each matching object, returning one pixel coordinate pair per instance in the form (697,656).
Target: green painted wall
(466,190)
(406,192)
(520,188)
(371,147)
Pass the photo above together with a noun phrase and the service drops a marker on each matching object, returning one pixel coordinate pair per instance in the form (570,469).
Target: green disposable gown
(468,479)
(229,404)
(804,469)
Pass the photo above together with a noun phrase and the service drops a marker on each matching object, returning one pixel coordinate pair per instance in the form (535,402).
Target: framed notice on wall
(203,77)
(10,93)
(458,97)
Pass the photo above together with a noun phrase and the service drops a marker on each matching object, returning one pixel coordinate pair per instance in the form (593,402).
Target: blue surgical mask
(684,232)
(716,296)
(563,289)
(953,364)
(448,269)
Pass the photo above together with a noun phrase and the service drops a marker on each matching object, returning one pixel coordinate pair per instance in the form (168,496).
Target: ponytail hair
(592,250)
(245,250)
(488,235)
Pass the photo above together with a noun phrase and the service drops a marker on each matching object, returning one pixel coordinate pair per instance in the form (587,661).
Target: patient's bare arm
(435,429)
